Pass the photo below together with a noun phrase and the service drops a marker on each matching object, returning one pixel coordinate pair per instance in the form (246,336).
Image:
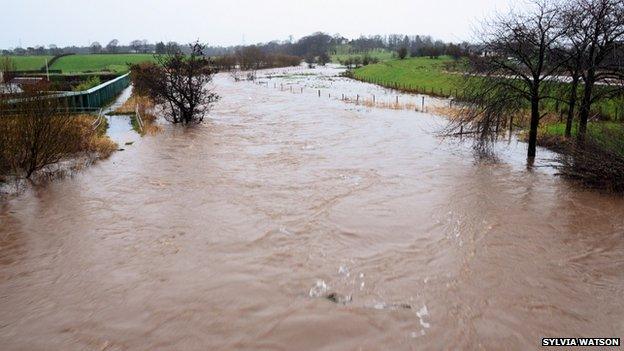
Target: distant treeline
(308,47)
(253,58)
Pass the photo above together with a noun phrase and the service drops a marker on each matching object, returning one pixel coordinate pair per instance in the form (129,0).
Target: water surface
(230,235)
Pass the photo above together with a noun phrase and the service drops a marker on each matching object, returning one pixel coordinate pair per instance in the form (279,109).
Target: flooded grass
(416,74)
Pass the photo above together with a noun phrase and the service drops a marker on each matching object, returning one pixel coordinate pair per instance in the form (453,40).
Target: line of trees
(112,47)
(253,58)
(553,53)
(311,46)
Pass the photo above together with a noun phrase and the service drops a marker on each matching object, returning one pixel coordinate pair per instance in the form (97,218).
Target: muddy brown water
(229,235)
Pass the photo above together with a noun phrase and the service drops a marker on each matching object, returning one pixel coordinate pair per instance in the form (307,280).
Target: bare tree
(517,71)
(179,83)
(172,47)
(112,46)
(136,45)
(600,24)
(310,60)
(323,59)
(402,52)
(250,58)
(7,69)
(160,48)
(36,132)
(95,47)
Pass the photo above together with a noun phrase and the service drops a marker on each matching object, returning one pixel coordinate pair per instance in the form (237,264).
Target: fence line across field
(359,100)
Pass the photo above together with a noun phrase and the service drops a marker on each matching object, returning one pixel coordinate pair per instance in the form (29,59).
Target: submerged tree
(37,131)
(179,83)
(600,24)
(515,73)
(323,59)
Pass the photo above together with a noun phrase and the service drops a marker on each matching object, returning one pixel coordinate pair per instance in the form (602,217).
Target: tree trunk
(534,124)
(585,106)
(571,106)
(587,93)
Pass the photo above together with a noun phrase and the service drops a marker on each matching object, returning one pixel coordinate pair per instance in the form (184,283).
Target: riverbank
(420,75)
(442,76)
(40,151)
(63,143)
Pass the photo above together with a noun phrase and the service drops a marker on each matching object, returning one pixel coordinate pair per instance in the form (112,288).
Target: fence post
(423,104)
(319,92)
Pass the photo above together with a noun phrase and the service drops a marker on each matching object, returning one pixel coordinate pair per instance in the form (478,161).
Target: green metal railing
(94,98)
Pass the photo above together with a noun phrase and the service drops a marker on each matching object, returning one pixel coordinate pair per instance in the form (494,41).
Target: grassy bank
(416,74)
(30,145)
(379,54)
(600,132)
(439,77)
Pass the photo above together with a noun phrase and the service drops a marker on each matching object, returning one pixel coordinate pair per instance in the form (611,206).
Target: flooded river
(290,221)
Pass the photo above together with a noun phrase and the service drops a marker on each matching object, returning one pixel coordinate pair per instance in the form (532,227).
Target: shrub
(38,132)
(88,83)
(402,52)
(598,162)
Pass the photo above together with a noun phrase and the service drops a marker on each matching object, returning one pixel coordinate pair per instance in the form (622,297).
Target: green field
(379,54)
(117,63)
(417,74)
(29,63)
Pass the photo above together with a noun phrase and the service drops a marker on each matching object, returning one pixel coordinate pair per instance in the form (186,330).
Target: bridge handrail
(89,91)
(66,94)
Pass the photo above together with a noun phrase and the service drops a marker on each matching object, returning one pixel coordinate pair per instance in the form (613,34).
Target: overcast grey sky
(227,22)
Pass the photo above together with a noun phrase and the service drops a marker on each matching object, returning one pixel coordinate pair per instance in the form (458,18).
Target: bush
(598,162)
(88,83)
(402,52)
(38,132)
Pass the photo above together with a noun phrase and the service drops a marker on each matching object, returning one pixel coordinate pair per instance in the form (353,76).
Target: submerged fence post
(319,92)
(373,99)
